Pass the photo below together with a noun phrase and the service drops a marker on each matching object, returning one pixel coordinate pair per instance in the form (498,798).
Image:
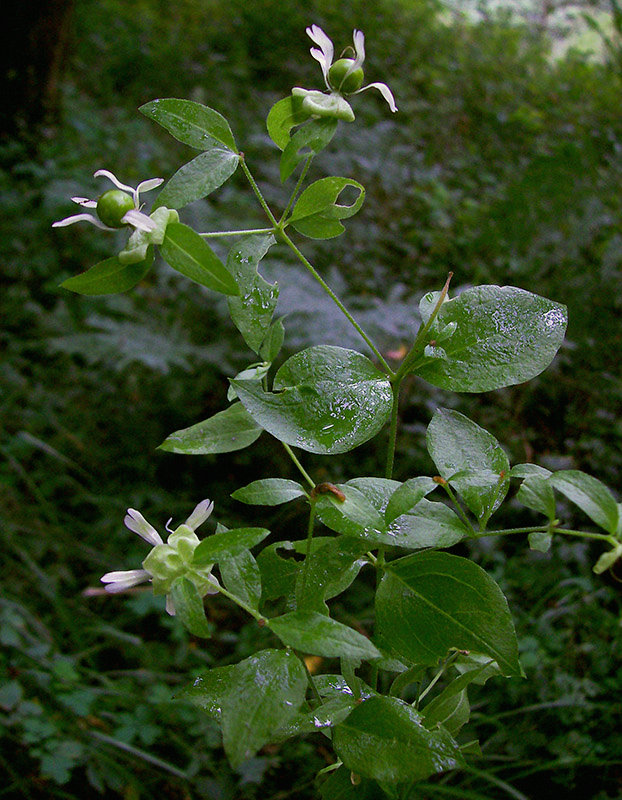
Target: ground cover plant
(440,620)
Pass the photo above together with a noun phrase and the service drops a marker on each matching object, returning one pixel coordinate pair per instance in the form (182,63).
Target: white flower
(167,561)
(133,217)
(325,55)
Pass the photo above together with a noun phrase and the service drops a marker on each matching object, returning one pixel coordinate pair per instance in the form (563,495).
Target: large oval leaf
(592,496)
(503,336)
(109,276)
(385,739)
(228,430)
(191,123)
(326,400)
(190,255)
(431,602)
(199,177)
(320,635)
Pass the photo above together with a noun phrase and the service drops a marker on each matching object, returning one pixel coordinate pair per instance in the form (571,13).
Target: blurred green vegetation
(504,166)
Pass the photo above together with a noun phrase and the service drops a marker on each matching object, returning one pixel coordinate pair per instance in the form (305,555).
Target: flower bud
(112,206)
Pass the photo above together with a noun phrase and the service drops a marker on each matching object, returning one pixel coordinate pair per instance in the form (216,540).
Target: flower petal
(200,514)
(81,218)
(326,52)
(84,201)
(384,91)
(359,48)
(139,220)
(124,579)
(104,173)
(147,186)
(136,523)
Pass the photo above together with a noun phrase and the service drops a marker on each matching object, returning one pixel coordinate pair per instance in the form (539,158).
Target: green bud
(340,81)
(112,206)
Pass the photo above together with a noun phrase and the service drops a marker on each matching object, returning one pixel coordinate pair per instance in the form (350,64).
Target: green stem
(305,566)
(603,537)
(214,234)
(388,473)
(257,191)
(249,609)
(314,688)
(438,676)
(459,509)
(302,470)
(136,752)
(285,238)
(303,175)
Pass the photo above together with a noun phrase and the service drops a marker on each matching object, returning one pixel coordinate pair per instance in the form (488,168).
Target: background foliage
(503,165)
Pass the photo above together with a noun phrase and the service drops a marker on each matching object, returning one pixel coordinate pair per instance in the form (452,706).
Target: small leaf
(265,692)
(208,690)
(385,739)
(240,575)
(451,707)
(503,336)
(540,541)
(592,497)
(189,607)
(317,213)
(278,575)
(189,254)
(431,602)
(109,276)
(328,571)
(320,635)
(269,492)
(252,311)
(326,400)
(199,177)
(227,544)
(273,341)
(228,430)
(536,493)
(282,117)
(406,497)
(457,444)
(528,471)
(256,372)
(191,123)
(309,140)
(353,516)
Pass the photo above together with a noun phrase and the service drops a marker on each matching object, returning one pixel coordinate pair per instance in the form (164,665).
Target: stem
(257,191)
(438,676)
(459,509)
(388,473)
(305,567)
(303,175)
(285,238)
(249,609)
(135,751)
(213,234)
(314,689)
(303,471)
(603,537)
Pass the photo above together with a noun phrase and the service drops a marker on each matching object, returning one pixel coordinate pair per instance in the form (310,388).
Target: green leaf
(199,177)
(252,311)
(265,692)
(326,715)
(227,544)
(228,430)
(273,341)
(191,123)
(109,276)
(256,372)
(317,213)
(425,525)
(320,635)
(540,541)
(339,786)
(269,492)
(329,571)
(278,574)
(282,117)
(189,254)
(536,493)
(504,336)
(208,690)
(326,400)
(528,471)
(240,575)
(406,497)
(456,445)
(430,603)
(451,707)
(309,140)
(385,739)
(189,607)
(592,497)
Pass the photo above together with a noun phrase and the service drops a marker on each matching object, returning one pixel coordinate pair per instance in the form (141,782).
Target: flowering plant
(392,692)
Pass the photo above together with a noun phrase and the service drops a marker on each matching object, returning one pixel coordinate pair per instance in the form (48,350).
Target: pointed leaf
(430,603)
(228,430)
(592,497)
(308,140)
(320,635)
(269,492)
(189,607)
(191,123)
(385,739)
(457,444)
(240,575)
(109,276)
(451,707)
(273,341)
(537,493)
(227,544)
(407,495)
(186,252)
(266,690)
(317,213)
(252,311)
(326,400)
(199,177)
(503,336)
(208,690)
(282,117)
